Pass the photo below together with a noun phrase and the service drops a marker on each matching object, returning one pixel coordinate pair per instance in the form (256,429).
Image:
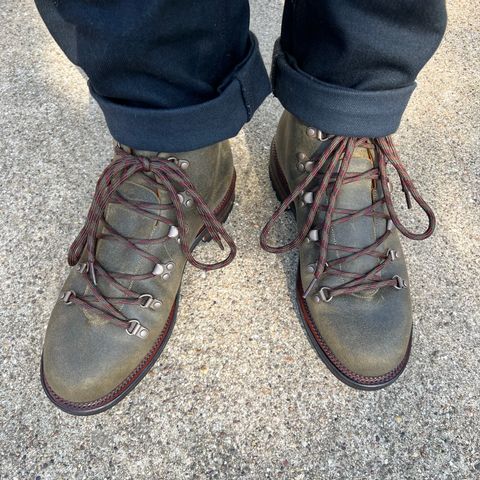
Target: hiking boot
(352,283)
(118,306)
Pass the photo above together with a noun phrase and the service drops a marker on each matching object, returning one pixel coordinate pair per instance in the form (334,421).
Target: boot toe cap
(84,364)
(365,339)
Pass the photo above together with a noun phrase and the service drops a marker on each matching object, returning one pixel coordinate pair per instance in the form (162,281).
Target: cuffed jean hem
(333,109)
(196,126)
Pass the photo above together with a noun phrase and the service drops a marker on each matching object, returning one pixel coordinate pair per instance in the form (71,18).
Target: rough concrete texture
(239,392)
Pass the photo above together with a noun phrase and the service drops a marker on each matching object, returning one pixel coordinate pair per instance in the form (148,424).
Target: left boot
(119,304)
(352,284)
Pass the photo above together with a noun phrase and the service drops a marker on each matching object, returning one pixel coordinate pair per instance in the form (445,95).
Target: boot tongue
(141,180)
(139,188)
(138,153)
(361,231)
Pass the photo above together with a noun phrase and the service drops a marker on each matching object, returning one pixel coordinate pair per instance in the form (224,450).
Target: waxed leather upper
(368,332)
(85,357)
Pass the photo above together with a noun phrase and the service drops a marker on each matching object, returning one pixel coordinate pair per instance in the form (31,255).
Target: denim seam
(245,97)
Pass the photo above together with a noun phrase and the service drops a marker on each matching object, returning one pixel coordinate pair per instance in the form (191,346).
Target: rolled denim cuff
(196,126)
(334,109)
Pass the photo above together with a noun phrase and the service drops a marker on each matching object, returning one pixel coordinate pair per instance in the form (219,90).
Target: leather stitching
(366,380)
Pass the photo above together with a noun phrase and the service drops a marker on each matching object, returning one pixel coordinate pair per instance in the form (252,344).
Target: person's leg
(168,75)
(172,77)
(348,68)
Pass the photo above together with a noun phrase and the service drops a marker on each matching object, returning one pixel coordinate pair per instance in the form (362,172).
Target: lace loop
(388,154)
(167,174)
(340,153)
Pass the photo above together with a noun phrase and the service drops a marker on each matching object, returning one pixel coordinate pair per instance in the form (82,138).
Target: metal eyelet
(163,269)
(392,254)
(303,163)
(401,284)
(82,267)
(183,164)
(173,232)
(185,199)
(313,235)
(136,328)
(309,166)
(158,269)
(311,267)
(318,134)
(301,158)
(323,137)
(308,197)
(324,295)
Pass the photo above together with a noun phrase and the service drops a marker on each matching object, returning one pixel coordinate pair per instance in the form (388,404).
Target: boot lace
(159,173)
(340,151)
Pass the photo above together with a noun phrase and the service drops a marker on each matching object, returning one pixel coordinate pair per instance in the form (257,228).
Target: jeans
(175,75)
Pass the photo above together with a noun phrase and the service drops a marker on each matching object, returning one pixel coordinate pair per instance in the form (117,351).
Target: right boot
(118,305)
(352,278)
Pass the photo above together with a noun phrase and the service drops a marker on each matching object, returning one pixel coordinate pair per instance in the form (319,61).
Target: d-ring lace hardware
(330,172)
(148,301)
(135,328)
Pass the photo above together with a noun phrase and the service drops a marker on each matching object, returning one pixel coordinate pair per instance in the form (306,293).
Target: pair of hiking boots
(118,306)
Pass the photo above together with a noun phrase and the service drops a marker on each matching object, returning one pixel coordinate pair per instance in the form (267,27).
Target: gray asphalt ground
(239,393)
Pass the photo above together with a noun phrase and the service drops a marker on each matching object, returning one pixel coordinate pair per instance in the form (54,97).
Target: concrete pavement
(239,393)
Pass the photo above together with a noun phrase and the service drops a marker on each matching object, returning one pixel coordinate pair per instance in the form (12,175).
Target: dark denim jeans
(175,75)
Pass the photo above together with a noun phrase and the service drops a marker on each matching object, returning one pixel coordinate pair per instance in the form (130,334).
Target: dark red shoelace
(159,173)
(339,153)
